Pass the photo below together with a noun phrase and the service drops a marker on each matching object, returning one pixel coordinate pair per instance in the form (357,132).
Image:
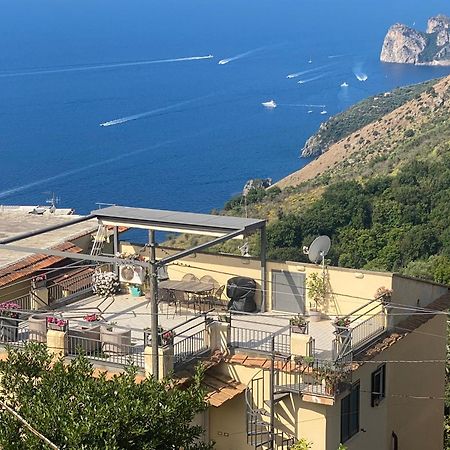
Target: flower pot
(54,326)
(135,291)
(37,328)
(314,316)
(9,331)
(224,318)
(342,331)
(299,329)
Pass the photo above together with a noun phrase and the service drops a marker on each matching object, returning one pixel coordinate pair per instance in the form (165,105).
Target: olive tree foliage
(75,410)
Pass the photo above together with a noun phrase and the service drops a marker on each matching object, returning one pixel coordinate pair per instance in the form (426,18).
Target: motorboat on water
(344,84)
(270,104)
(223,61)
(323,112)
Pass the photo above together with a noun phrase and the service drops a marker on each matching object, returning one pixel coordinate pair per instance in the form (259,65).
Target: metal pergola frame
(222,228)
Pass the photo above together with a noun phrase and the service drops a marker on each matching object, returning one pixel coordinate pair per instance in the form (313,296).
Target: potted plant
(57,323)
(317,291)
(298,324)
(384,294)
(9,322)
(301,444)
(105,284)
(224,318)
(167,337)
(330,377)
(40,281)
(341,325)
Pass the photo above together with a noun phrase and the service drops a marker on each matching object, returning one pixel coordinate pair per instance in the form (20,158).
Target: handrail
(205,313)
(378,299)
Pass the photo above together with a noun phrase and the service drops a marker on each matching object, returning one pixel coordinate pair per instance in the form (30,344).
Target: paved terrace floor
(249,331)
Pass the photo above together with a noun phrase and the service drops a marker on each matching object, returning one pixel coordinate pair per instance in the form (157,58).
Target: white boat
(310,111)
(223,61)
(344,84)
(269,104)
(323,112)
(310,61)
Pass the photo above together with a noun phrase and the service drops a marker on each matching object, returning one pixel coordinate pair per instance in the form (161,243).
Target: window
(350,414)
(378,391)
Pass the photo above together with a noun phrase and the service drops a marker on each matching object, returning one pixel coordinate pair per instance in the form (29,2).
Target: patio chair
(165,296)
(210,279)
(189,277)
(180,298)
(215,299)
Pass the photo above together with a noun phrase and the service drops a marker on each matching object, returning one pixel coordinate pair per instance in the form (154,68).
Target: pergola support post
(116,248)
(263,255)
(154,303)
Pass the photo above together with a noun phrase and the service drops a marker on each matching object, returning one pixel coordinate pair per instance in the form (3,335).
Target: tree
(285,232)
(74,410)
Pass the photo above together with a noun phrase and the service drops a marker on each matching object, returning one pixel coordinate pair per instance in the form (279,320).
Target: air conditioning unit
(130,274)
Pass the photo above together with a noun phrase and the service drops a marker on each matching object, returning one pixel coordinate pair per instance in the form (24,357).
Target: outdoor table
(191,287)
(198,289)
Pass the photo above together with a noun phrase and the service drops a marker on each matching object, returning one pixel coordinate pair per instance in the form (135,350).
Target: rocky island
(405,45)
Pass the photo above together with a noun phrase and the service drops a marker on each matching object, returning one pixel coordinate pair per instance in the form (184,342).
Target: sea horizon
(161,105)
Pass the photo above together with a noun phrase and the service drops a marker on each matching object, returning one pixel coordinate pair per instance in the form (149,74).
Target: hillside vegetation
(363,113)
(384,200)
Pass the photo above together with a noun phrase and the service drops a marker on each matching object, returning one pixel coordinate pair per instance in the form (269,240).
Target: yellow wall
(418,423)
(349,289)
(228,426)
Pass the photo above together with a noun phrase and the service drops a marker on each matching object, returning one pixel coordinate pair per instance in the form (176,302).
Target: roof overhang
(176,221)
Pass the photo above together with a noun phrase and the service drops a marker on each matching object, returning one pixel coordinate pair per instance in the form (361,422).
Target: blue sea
(180,131)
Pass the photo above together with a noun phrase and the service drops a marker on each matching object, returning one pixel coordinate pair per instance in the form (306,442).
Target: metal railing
(55,292)
(13,331)
(109,347)
(310,377)
(190,339)
(260,340)
(24,301)
(367,330)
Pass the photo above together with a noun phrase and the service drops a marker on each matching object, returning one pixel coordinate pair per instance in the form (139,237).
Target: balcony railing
(367,323)
(190,339)
(260,340)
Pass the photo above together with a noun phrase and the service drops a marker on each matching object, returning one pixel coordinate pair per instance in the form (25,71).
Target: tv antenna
(53,201)
(318,250)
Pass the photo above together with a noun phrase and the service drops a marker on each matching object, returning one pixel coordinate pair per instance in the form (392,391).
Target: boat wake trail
(304,72)
(361,76)
(153,112)
(301,105)
(241,55)
(67,173)
(359,73)
(308,80)
(103,66)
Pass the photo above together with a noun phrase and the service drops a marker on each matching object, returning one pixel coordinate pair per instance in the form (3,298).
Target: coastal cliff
(405,45)
(341,125)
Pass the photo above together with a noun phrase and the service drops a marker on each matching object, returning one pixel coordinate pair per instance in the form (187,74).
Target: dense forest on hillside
(394,222)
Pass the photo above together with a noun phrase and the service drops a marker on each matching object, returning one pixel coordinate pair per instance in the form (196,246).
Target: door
(288,291)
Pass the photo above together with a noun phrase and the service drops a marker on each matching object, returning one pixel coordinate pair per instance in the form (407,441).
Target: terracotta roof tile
(32,263)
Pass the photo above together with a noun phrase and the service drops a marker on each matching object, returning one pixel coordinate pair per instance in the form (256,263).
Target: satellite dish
(319,249)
